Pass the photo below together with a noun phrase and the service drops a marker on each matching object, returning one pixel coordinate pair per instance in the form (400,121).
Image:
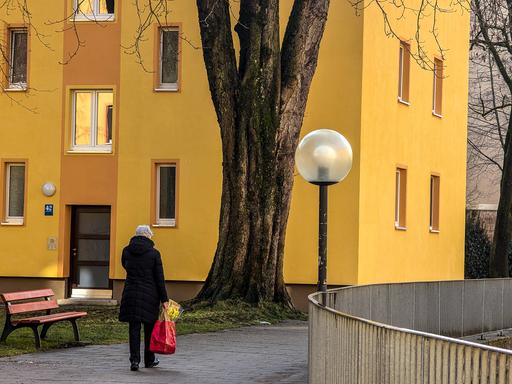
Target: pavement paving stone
(260,355)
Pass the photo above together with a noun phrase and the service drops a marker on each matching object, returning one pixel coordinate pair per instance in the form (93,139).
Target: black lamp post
(323,158)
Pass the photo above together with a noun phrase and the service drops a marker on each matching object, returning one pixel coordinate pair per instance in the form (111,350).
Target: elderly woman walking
(144,290)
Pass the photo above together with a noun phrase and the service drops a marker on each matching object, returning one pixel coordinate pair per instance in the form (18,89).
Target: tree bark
(498,262)
(260,107)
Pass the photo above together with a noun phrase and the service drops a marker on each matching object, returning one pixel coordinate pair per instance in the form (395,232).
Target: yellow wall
(169,125)
(396,134)
(354,92)
(334,102)
(31,130)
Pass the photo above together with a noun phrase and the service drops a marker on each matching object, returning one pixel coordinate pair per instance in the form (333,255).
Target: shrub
(477,249)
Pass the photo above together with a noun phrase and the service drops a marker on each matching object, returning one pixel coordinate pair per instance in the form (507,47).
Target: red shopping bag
(163,337)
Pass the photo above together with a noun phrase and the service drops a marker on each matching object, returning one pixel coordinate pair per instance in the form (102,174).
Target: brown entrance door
(90,247)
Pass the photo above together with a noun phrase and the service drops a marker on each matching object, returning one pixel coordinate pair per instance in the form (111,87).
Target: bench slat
(24,295)
(50,318)
(32,306)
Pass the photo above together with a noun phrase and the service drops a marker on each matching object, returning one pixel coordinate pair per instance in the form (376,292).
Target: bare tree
(489,109)
(491,42)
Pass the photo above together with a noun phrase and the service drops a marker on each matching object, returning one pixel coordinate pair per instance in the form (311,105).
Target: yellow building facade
(126,144)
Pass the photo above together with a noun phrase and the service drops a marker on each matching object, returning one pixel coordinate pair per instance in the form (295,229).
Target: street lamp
(323,158)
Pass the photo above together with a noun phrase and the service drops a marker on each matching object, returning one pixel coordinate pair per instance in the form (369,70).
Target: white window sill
(14,88)
(93,18)
(402,101)
(10,224)
(431,230)
(166,89)
(437,114)
(163,225)
(89,151)
(399,228)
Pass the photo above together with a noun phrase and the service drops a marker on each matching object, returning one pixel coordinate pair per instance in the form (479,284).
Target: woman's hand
(165,305)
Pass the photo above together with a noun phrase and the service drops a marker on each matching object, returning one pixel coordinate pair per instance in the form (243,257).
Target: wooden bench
(17,303)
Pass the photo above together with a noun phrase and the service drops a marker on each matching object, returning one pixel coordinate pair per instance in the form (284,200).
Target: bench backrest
(28,304)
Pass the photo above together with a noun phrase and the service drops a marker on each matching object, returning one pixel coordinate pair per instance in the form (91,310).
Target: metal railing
(347,345)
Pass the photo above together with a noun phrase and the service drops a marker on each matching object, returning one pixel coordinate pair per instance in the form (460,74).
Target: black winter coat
(144,288)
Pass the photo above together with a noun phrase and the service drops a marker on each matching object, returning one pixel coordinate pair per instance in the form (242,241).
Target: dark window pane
(106,6)
(93,250)
(169,56)
(90,276)
(16,190)
(94,223)
(18,57)
(109,123)
(167,192)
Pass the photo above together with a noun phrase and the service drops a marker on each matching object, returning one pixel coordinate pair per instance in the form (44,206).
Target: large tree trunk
(498,263)
(260,107)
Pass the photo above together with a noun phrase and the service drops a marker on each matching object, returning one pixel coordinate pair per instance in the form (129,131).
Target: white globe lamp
(323,158)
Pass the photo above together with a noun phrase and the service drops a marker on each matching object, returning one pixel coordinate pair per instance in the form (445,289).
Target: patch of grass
(502,342)
(101,325)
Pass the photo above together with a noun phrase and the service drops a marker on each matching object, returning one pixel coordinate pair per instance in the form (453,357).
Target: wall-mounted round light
(324,156)
(48,189)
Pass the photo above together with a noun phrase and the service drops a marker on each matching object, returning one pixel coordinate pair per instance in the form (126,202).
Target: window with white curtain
(15,193)
(94,10)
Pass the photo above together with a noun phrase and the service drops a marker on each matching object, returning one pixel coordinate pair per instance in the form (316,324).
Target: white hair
(144,230)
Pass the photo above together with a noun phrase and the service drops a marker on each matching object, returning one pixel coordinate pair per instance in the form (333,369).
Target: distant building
(484,142)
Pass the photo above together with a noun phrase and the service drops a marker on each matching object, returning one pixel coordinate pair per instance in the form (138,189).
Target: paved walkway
(261,355)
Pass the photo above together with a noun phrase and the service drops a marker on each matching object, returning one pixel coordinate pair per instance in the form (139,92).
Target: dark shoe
(134,366)
(153,364)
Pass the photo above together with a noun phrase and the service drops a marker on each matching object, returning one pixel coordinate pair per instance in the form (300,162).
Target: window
(400,197)
(437,99)
(404,65)
(434,203)
(165,194)
(18,39)
(168,76)
(92,120)
(95,9)
(14,193)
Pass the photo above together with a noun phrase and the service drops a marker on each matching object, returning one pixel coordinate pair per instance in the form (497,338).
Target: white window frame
(432,181)
(160,221)
(95,15)
(14,219)
(434,93)
(92,146)
(162,85)
(401,72)
(397,198)
(12,32)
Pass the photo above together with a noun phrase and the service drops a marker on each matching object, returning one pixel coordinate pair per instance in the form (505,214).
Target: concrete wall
(14,284)
(186,290)
(344,349)
(448,308)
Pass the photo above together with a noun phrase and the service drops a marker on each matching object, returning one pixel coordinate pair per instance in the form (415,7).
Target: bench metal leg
(36,335)
(8,328)
(75,329)
(45,329)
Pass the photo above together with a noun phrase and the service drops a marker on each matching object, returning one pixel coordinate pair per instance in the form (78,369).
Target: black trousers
(134,330)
